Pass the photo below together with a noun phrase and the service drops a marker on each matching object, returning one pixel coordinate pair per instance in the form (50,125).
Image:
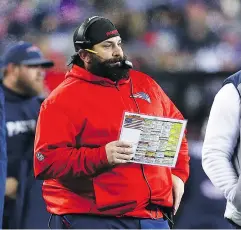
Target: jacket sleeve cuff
(103,156)
(181,175)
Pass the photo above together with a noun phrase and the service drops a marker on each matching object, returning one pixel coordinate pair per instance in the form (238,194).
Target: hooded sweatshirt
(76,121)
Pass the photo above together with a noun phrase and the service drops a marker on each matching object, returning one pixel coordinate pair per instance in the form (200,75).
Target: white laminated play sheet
(155,140)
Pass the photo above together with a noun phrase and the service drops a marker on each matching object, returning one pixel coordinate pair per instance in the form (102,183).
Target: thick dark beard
(104,68)
(26,87)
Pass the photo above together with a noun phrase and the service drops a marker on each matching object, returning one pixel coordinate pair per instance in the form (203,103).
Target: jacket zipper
(142,167)
(117,87)
(149,188)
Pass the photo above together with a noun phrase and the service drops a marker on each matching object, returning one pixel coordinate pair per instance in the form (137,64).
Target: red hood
(81,73)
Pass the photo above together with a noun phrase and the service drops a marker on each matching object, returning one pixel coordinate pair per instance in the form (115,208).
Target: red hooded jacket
(76,121)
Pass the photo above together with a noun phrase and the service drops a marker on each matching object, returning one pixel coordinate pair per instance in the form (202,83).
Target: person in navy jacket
(23,82)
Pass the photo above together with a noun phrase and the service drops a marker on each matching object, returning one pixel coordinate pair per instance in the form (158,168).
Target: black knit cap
(99,31)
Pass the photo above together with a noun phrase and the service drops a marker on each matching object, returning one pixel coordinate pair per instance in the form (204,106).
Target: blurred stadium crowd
(181,43)
(174,35)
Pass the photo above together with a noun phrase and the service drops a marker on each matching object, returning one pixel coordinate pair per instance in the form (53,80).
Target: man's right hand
(118,152)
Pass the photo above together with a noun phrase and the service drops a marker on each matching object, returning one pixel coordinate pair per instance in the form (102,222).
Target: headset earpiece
(81,41)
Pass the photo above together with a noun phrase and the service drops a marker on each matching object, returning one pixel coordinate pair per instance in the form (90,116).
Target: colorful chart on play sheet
(156,140)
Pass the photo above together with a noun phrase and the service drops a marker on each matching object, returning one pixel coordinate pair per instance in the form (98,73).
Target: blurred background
(188,46)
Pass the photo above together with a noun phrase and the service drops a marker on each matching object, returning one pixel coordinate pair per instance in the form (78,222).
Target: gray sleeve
(221,137)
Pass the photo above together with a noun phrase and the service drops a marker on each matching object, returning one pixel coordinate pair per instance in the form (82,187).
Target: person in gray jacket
(221,149)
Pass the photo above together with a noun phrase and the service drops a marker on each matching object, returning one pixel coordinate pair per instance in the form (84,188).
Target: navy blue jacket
(21,117)
(3,155)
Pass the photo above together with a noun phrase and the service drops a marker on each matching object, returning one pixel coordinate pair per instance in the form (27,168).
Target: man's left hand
(178,190)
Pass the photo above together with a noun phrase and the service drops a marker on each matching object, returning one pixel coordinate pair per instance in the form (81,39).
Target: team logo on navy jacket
(142,95)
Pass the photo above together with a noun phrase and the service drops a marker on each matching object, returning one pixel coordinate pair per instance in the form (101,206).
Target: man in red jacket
(89,181)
